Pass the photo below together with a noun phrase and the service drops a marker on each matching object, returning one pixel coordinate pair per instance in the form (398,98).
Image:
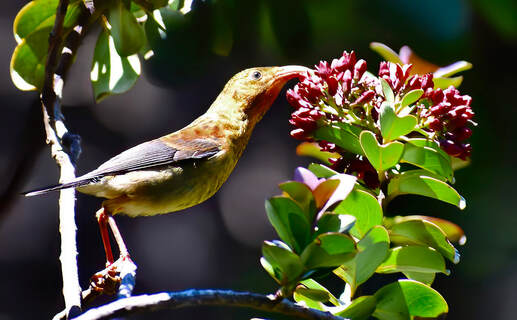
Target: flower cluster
(342,92)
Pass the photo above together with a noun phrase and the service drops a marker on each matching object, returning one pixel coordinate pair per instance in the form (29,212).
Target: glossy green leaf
(429,159)
(429,144)
(128,35)
(458,163)
(287,265)
(406,298)
(111,73)
(311,149)
(328,250)
(302,195)
(453,232)
(413,259)
(28,61)
(330,222)
(424,233)
(444,83)
(386,52)
(371,252)
(382,157)
(425,278)
(394,126)
(387,91)
(321,171)
(365,208)
(342,135)
(411,182)
(411,97)
(314,285)
(289,221)
(361,308)
(40,14)
(310,298)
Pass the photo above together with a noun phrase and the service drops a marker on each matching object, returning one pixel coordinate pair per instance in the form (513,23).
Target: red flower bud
(451,148)
(436,125)
(359,69)
(462,133)
(299,134)
(364,98)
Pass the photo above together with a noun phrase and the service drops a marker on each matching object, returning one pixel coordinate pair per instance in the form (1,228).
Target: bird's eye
(256,75)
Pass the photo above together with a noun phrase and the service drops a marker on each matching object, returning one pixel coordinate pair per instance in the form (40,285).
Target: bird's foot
(108,281)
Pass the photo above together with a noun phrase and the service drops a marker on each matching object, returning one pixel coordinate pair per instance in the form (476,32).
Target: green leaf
(111,73)
(413,259)
(287,265)
(330,222)
(328,250)
(346,185)
(386,52)
(40,14)
(311,149)
(425,278)
(371,252)
(386,90)
(423,233)
(321,171)
(289,221)
(360,309)
(302,195)
(393,126)
(444,83)
(310,298)
(428,158)
(365,208)
(28,61)
(314,285)
(382,157)
(406,298)
(342,135)
(411,97)
(453,232)
(411,182)
(128,35)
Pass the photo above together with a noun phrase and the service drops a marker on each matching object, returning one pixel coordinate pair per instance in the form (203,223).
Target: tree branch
(196,298)
(65,149)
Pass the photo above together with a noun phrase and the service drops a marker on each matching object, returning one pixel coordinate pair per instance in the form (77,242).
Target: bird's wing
(157,153)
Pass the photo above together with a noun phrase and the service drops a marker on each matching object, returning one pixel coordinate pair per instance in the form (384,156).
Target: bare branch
(196,298)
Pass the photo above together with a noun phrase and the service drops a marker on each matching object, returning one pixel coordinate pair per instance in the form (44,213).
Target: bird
(184,168)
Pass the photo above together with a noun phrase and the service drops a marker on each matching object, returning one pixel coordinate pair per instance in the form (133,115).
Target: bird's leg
(124,254)
(102,219)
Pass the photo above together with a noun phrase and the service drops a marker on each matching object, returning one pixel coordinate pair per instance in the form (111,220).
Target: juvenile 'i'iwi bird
(186,167)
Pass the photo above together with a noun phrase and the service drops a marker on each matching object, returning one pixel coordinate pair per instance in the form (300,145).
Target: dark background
(217,244)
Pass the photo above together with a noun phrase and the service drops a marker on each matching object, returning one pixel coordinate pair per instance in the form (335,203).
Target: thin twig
(196,298)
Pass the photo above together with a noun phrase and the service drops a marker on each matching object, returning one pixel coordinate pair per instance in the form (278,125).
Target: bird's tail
(72,184)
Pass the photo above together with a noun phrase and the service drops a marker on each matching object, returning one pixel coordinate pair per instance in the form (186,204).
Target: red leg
(103,218)
(118,238)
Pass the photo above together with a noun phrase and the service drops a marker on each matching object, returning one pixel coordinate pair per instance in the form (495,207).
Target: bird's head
(252,91)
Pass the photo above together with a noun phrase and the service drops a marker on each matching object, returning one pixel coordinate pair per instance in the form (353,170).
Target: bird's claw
(107,281)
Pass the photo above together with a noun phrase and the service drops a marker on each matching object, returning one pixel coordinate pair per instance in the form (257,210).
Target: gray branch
(196,298)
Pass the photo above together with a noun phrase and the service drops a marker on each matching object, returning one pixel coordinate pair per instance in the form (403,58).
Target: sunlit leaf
(413,259)
(360,309)
(302,195)
(289,221)
(328,250)
(424,233)
(444,83)
(128,35)
(280,257)
(314,285)
(365,208)
(386,52)
(111,73)
(414,182)
(453,232)
(322,171)
(330,222)
(411,97)
(425,278)
(427,157)
(406,298)
(394,126)
(387,91)
(342,134)
(371,252)
(382,157)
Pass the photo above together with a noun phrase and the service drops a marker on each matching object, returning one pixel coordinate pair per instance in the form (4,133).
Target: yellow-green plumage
(187,167)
